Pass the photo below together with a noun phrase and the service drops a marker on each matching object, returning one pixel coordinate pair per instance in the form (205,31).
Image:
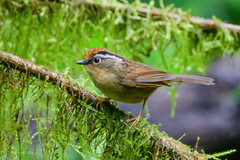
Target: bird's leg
(137,119)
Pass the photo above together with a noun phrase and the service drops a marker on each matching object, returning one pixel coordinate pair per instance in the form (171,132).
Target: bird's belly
(127,94)
(112,87)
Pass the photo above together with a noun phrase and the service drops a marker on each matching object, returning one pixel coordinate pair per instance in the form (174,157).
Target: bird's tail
(193,79)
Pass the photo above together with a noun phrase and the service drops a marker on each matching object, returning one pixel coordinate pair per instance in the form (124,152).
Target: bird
(127,81)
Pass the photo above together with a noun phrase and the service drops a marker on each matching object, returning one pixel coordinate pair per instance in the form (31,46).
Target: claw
(103,100)
(137,119)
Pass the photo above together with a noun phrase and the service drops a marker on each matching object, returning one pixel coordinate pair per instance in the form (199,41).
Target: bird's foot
(102,100)
(136,120)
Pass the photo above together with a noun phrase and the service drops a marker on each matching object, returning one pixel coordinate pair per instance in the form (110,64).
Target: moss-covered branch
(47,75)
(161,145)
(156,14)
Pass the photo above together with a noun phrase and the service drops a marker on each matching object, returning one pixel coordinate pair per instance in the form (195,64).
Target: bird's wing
(141,75)
(145,76)
(148,76)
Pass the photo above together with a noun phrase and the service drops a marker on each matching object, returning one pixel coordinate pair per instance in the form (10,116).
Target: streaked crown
(93,51)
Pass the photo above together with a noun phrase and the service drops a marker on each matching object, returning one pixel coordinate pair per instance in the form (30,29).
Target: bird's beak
(82,62)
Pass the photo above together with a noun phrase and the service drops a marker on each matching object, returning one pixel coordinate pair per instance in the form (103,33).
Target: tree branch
(208,24)
(46,74)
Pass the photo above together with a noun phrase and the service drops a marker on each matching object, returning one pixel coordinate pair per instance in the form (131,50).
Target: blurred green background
(226,10)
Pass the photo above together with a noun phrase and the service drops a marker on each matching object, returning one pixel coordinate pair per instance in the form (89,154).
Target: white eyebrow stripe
(109,56)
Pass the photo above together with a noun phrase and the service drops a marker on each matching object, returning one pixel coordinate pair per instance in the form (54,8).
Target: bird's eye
(96,60)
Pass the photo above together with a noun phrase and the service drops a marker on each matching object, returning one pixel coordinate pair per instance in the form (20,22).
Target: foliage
(57,34)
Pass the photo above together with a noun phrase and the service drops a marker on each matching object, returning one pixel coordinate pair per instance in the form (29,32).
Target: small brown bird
(127,81)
